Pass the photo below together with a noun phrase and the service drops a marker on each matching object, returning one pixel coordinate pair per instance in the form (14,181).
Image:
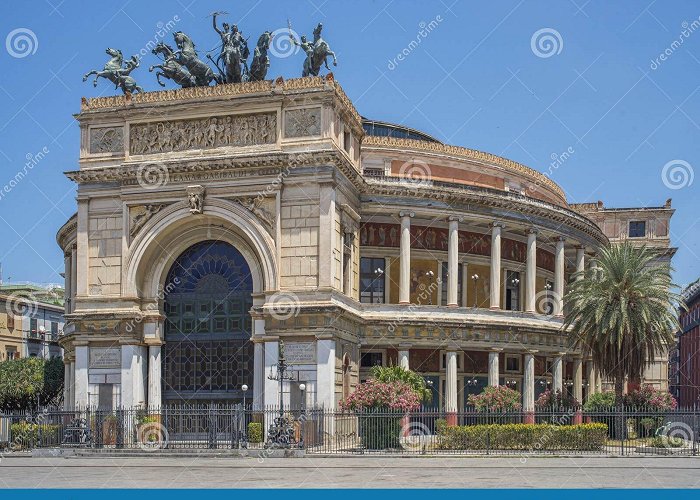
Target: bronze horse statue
(187,56)
(261,61)
(171,68)
(321,52)
(115,73)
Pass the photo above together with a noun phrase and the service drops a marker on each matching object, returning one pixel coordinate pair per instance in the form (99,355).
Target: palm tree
(622,312)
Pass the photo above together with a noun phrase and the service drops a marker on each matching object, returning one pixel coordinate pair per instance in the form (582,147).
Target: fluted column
(493,367)
(452,262)
(66,282)
(405,258)
(529,381)
(73,277)
(403,359)
(495,302)
(578,379)
(154,376)
(531,271)
(559,278)
(387,280)
(580,261)
(557,374)
(451,382)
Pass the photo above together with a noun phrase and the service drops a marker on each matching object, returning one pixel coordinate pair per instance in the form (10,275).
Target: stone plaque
(302,122)
(300,353)
(106,140)
(105,357)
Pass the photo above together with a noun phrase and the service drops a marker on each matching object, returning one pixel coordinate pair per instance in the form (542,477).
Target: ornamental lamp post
(243,435)
(281,433)
(475,278)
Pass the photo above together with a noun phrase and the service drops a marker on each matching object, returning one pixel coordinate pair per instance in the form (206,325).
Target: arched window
(208,353)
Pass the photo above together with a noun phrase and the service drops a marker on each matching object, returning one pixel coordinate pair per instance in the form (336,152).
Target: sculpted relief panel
(302,122)
(106,140)
(203,133)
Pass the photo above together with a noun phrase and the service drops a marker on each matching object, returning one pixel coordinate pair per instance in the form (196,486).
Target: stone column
(73,277)
(71,386)
(132,375)
(529,387)
(493,367)
(81,251)
(578,379)
(495,302)
(598,381)
(325,373)
(452,262)
(387,280)
(80,374)
(66,386)
(405,259)
(271,395)
(465,284)
(590,377)
(155,399)
(580,261)
(403,359)
(531,271)
(66,283)
(557,374)
(559,278)
(451,387)
(258,374)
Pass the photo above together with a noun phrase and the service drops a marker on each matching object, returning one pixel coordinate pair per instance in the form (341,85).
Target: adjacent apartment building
(685,378)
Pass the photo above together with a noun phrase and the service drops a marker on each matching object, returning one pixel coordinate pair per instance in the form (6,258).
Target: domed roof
(383,129)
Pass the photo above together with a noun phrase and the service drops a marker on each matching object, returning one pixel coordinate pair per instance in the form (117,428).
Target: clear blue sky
(473,81)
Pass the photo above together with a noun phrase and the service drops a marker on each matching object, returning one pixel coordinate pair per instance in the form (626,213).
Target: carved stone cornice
(470,154)
(67,232)
(454,194)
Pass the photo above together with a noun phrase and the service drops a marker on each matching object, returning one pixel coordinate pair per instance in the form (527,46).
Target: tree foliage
(389,374)
(26,382)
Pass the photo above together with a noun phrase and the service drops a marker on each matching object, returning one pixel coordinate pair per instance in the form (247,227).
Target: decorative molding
(139,215)
(255,205)
(470,154)
(204,133)
(106,140)
(195,199)
(303,122)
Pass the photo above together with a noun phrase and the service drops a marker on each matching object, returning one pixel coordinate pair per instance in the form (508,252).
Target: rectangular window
(372,280)
(443,276)
(370,359)
(512,291)
(637,229)
(512,363)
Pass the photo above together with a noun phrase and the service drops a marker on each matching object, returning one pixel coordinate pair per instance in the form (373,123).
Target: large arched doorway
(208,354)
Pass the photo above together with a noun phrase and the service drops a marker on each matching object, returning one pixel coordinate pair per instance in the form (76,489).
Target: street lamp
(243,435)
(475,278)
(430,275)
(281,433)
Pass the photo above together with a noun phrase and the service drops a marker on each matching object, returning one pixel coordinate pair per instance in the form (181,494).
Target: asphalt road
(356,472)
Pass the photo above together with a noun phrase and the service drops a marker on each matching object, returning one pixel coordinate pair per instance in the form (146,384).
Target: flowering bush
(496,399)
(552,399)
(375,395)
(648,397)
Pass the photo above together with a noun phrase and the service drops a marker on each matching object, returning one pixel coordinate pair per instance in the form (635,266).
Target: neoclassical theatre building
(213,223)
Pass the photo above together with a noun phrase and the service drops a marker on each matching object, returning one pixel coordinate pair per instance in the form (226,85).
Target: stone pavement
(363,472)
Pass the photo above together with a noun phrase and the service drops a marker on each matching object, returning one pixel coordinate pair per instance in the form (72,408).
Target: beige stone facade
(352,248)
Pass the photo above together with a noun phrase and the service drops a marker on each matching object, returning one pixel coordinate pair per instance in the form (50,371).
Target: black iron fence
(613,431)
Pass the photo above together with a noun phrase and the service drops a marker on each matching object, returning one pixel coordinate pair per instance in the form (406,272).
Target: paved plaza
(353,472)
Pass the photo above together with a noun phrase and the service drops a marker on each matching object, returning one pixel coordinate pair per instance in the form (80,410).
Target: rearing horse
(261,61)
(114,72)
(321,52)
(171,68)
(187,56)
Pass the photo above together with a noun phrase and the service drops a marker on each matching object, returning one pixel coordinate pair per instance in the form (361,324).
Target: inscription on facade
(203,133)
(300,353)
(302,122)
(106,140)
(105,357)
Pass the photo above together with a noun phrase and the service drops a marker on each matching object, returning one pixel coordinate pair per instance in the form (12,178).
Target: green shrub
(23,381)
(496,399)
(600,401)
(665,442)
(580,437)
(25,435)
(255,434)
(380,432)
(649,424)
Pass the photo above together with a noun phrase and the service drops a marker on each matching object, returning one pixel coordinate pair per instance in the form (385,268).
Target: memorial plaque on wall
(105,357)
(300,353)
